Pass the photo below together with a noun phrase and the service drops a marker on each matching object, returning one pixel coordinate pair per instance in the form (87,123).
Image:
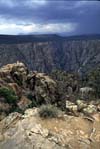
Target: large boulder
(14,73)
(71,107)
(42,87)
(91,109)
(19,73)
(86,92)
(81,104)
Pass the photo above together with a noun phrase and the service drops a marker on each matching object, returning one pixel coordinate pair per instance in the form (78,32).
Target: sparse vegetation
(34,102)
(67,83)
(8,94)
(30,96)
(48,111)
(92,79)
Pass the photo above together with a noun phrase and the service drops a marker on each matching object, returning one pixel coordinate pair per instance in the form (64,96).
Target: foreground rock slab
(29,131)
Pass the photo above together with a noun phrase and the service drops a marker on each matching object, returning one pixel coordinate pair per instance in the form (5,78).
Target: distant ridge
(45,53)
(10,39)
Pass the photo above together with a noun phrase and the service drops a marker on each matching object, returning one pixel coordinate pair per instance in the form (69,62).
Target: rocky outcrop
(31,88)
(82,107)
(21,88)
(86,92)
(43,87)
(29,131)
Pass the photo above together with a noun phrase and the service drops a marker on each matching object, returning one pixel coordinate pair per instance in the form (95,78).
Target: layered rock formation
(49,52)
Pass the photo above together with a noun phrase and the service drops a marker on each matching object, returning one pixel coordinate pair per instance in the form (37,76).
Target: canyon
(45,53)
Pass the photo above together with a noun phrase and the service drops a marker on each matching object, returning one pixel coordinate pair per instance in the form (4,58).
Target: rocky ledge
(29,131)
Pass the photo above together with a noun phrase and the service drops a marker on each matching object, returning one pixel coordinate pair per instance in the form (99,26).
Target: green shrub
(48,111)
(92,79)
(8,94)
(17,109)
(34,102)
(30,96)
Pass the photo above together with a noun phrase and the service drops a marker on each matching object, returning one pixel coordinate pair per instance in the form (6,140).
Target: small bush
(34,102)
(30,96)
(48,111)
(8,94)
(17,109)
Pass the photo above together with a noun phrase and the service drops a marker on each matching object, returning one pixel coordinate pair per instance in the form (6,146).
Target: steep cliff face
(79,54)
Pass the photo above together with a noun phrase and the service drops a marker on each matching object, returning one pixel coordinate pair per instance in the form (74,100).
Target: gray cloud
(85,14)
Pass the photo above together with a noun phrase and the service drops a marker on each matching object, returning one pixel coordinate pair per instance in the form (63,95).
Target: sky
(49,17)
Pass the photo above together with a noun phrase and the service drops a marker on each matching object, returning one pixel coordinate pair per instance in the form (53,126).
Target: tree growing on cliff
(93,80)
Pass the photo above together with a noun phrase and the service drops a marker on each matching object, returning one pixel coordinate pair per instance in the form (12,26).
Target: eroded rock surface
(30,87)
(30,131)
(21,89)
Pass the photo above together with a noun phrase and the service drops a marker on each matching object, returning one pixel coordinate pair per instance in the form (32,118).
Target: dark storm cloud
(85,14)
(48,11)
